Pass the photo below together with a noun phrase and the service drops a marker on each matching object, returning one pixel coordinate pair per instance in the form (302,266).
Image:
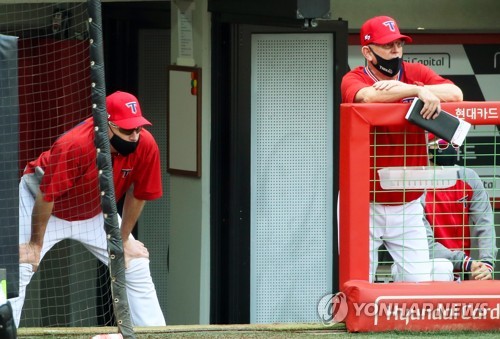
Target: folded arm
(393,91)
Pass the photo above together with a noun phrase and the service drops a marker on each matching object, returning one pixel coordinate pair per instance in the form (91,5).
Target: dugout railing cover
(420,299)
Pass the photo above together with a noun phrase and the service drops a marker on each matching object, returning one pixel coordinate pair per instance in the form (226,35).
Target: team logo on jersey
(463,200)
(390,24)
(126,172)
(133,106)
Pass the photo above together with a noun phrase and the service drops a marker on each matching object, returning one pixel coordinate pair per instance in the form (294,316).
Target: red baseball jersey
(393,146)
(447,210)
(71,181)
(459,217)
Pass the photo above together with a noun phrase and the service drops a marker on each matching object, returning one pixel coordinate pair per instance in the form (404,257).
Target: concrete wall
(189,276)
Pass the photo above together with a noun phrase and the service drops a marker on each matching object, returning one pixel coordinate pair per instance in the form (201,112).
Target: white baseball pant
(401,229)
(441,270)
(143,302)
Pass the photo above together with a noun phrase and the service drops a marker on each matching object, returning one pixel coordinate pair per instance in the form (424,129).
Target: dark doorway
(121,23)
(230,159)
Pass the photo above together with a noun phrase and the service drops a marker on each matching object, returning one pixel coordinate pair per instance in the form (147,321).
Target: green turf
(279,331)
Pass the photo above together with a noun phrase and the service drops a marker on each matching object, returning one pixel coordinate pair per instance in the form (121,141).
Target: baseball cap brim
(390,38)
(132,123)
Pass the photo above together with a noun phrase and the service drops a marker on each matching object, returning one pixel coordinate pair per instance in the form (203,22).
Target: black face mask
(387,67)
(444,157)
(123,147)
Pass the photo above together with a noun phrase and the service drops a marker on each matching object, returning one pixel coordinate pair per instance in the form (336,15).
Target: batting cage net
(49,86)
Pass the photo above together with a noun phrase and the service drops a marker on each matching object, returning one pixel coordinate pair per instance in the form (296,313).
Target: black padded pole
(9,163)
(105,167)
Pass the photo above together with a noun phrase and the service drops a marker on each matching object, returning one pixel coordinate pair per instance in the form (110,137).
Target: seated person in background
(454,217)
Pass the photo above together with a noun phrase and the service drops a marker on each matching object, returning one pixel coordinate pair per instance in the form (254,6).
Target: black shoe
(7,326)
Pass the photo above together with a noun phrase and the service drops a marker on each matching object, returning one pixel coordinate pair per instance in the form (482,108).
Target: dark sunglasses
(126,131)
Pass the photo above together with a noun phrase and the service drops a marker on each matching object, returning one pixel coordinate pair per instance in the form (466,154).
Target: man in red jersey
(458,215)
(396,216)
(59,198)
(455,217)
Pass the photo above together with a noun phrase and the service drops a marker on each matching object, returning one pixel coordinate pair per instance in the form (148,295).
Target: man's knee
(138,265)
(442,270)
(437,270)
(144,306)
(410,272)
(138,275)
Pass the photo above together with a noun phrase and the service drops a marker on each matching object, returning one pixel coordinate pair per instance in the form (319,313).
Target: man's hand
(480,271)
(432,104)
(134,249)
(29,253)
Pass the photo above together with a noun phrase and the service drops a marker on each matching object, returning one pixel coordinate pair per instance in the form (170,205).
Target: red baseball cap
(124,110)
(381,30)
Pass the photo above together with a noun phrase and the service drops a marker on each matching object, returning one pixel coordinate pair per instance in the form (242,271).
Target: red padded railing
(356,121)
